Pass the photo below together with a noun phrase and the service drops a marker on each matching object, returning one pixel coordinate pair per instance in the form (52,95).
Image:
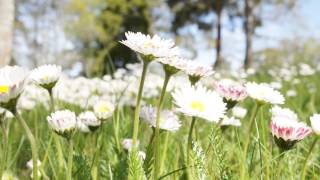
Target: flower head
(230,121)
(150,46)
(231,92)
(173,64)
(196,71)
(315,123)
(239,112)
(286,128)
(200,102)
(103,110)
(46,75)
(63,122)
(168,119)
(90,120)
(264,93)
(12,81)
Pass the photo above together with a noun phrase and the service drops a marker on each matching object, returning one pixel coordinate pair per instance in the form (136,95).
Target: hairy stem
(304,170)
(70,159)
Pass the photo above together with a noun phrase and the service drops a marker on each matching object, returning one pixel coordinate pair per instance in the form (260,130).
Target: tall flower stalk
(70,159)
(157,129)
(33,144)
(138,104)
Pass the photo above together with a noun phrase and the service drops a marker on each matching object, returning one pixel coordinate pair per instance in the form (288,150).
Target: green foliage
(135,169)
(98,25)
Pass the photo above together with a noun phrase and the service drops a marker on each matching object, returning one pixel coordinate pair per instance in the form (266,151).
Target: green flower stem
(189,145)
(157,130)
(247,140)
(33,145)
(138,103)
(304,170)
(55,137)
(116,129)
(4,150)
(96,157)
(70,159)
(164,152)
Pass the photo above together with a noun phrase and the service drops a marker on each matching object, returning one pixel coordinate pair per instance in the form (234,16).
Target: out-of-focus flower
(199,102)
(286,128)
(7,175)
(291,93)
(63,122)
(264,93)
(306,70)
(231,92)
(142,155)
(315,123)
(150,46)
(239,112)
(168,120)
(276,85)
(127,144)
(226,121)
(12,81)
(103,110)
(46,75)
(90,120)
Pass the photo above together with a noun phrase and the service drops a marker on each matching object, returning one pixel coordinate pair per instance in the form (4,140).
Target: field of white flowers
(164,118)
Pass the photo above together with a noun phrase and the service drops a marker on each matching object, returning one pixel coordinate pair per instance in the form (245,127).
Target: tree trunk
(6,30)
(249,26)
(218,39)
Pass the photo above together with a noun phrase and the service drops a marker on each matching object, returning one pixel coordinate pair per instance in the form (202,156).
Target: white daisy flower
(63,122)
(239,112)
(264,93)
(315,123)
(46,75)
(89,119)
(30,164)
(12,81)
(103,110)
(230,121)
(168,120)
(196,71)
(150,46)
(82,127)
(200,102)
(142,155)
(286,128)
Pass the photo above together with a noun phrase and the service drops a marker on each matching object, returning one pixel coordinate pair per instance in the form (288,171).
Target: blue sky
(302,22)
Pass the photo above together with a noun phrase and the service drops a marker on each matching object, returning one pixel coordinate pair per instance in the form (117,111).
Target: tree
(6,30)
(98,25)
(187,12)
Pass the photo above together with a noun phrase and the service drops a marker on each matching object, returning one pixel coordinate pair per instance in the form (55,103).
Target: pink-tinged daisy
(231,92)
(196,71)
(286,128)
(63,122)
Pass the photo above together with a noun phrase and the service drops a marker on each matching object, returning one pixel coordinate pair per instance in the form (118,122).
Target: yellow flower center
(196,105)
(104,109)
(4,89)
(45,77)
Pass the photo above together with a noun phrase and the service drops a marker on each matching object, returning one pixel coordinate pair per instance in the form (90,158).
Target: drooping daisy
(63,122)
(264,93)
(315,123)
(103,110)
(46,75)
(12,81)
(231,92)
(150,46)
(168,120)
(199,102)
(90,120)
(286,128)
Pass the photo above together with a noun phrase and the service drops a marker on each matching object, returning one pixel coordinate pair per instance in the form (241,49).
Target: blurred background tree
(97,27)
